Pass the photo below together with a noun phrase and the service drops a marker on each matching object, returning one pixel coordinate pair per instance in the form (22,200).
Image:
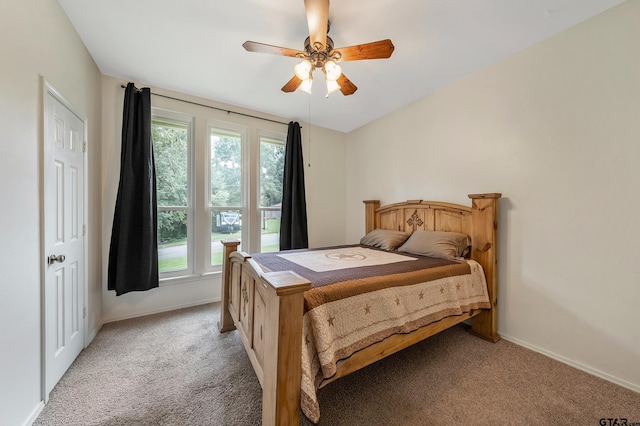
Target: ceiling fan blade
(254,46)
(292,85)
(374,50)
(346,86)
(318,21)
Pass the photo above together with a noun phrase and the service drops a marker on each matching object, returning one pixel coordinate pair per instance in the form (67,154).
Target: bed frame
(267,308)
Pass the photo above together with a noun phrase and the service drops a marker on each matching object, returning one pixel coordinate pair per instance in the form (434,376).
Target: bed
(276,310)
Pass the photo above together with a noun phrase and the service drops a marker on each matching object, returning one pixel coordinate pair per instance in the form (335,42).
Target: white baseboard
(93,334)
(34,414)
(587,369)
(157,311)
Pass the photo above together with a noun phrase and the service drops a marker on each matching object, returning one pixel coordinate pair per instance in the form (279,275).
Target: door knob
(53,258)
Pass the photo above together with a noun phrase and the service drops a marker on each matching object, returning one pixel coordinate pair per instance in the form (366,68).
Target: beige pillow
(384,239)
(446,245)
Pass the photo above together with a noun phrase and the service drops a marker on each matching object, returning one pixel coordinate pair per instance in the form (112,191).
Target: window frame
(245,208)
(161,114)
(281,138)
(199,219)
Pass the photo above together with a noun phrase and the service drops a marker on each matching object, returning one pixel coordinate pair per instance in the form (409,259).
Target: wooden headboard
(480,222)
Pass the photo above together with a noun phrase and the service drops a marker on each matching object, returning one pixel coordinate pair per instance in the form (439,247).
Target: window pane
(224,224)
(271,172)
(271,177)
(172,240)
(269,231)
(226,168)
(170,142)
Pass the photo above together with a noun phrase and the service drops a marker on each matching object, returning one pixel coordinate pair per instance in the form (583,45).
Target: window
(215,180)
(171,136)
(270,206)
(226,195)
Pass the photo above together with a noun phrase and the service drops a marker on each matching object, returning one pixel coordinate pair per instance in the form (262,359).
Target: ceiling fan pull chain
(309,136)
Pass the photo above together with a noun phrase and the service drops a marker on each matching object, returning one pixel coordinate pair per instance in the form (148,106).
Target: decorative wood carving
(415,221)
(245,296)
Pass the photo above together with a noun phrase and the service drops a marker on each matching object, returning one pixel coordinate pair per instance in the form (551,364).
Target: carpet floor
(175,368)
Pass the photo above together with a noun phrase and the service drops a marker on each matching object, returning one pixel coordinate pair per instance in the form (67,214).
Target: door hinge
(84,230)
(84,147)
(84,312)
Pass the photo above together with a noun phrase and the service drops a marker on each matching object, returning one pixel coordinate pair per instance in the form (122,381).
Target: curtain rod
(212,107)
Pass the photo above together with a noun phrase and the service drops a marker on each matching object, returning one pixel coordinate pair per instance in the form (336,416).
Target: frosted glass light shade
(306,85)
(303,70)
(332,70)
(332,86)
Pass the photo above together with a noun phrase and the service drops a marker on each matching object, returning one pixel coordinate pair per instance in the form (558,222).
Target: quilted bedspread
(360,296)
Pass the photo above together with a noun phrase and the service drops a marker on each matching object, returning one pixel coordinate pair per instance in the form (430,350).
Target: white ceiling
(195,47)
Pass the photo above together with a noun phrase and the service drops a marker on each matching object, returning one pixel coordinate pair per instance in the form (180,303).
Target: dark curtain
(293,224)
(133,255)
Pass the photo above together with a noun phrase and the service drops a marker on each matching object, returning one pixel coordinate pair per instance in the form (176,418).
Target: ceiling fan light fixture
(303,70)
(305,86)
(332,87)
(332,70)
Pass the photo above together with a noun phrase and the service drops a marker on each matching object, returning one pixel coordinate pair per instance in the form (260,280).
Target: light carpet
(175,368)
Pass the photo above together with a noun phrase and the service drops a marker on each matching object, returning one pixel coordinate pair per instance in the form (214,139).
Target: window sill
(182,279)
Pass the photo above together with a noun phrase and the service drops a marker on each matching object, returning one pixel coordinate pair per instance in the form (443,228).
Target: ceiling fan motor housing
(319,57)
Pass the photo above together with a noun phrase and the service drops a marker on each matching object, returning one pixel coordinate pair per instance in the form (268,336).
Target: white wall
(37,40)
(324,183)
(556,129)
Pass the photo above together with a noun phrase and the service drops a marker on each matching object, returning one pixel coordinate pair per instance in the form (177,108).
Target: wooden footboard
(267,308)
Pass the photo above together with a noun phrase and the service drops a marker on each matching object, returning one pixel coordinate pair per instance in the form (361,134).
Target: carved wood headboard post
(484,250)
(370,214)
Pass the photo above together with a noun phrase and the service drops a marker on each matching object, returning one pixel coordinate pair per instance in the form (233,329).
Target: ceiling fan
(320,53)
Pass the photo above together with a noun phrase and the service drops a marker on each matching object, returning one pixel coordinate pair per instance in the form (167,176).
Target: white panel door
(63,198)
